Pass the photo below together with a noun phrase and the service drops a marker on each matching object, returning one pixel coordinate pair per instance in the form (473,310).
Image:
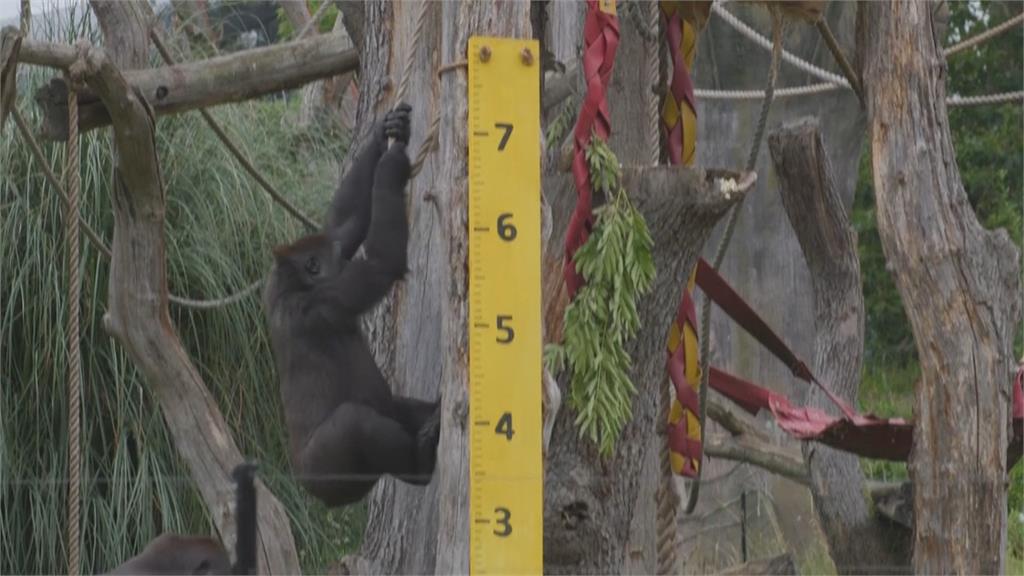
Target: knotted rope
(600,41)
(71,215)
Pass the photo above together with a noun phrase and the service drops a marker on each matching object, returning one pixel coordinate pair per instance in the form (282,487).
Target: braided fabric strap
(679,127)
(684,429)
(679,112)
(600,40)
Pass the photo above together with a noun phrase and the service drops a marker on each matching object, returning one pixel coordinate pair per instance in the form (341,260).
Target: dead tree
(820,221)
(961,287)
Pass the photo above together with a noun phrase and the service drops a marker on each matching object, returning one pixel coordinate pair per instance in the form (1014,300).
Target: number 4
(505,426)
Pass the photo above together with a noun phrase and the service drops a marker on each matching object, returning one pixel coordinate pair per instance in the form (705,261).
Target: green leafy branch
(618,266)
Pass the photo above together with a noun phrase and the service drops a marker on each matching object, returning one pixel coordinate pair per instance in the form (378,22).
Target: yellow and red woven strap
(679,127)
(679,111)
(600,41)
(684,371)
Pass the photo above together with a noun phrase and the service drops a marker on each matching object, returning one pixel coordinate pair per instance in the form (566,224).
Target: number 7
(504,138)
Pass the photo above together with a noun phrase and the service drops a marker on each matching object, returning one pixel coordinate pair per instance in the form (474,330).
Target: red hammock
(864,435)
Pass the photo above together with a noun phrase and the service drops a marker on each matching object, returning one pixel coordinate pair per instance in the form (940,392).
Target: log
(201,84)
(818,216)
(137,314)
(960,284)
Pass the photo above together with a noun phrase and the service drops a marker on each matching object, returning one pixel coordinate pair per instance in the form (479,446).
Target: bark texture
(137,314)
(960,284)
(822,226)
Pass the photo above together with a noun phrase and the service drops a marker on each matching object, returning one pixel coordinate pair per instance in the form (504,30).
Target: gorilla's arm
(365,281)
(349,215)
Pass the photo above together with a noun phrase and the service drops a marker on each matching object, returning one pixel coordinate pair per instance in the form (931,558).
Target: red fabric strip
(600,41)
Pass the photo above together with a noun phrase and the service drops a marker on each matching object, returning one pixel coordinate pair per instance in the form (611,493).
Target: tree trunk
(590,502)
(137,314)
(819,219)
(961,287)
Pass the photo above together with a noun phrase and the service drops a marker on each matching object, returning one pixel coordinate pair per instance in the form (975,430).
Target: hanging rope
(666,499)
(235,151)
(71,216)
(429,142)
(600,41)
(705,317)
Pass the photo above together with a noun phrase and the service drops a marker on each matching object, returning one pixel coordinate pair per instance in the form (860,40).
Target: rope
(765,43)
(71,216)
(986,35)
(430,140)
(999,98)
(94,238)
(835,82)
(235,151)
(730,228)
(666,499)
(311,25)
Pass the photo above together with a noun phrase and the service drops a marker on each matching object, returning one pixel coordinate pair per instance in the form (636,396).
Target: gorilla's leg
(351,449)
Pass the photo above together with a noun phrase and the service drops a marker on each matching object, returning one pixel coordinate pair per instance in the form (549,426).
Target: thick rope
(767,44)
(999,98)
(835,82)
(71,215)
(730,228)
(666,499)
(983,36)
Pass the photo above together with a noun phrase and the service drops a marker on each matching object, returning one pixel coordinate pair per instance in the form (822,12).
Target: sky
(10,9)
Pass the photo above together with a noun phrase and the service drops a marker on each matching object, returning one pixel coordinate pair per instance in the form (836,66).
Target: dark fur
(174,554)
(345,427)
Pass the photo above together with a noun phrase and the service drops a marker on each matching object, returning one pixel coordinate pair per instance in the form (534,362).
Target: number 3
(503,522)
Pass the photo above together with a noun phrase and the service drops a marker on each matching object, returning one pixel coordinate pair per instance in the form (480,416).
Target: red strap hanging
(600,40)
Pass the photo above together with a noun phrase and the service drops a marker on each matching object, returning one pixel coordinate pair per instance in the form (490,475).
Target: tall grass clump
(219,231)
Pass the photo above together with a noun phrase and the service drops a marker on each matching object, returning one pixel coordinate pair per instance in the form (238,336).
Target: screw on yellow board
(505,439)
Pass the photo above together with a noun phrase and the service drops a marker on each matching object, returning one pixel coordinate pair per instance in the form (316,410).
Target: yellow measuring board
(505,438)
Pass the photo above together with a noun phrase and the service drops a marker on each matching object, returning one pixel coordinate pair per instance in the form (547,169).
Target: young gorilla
(345,427)
(174,554)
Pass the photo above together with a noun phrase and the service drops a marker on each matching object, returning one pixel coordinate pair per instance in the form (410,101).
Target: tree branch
(137,314)
(202,84)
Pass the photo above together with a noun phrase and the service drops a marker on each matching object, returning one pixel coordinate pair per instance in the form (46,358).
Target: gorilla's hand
(397,123)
